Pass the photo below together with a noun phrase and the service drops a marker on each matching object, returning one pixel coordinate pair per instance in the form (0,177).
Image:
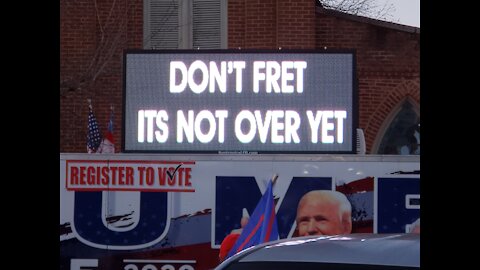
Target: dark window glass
(403,135)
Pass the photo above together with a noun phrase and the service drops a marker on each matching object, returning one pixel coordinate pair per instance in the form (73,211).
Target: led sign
(239,101)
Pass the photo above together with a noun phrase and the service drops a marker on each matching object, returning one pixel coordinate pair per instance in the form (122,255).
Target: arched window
(403,135)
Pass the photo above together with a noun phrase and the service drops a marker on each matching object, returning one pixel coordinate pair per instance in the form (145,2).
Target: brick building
(93,35)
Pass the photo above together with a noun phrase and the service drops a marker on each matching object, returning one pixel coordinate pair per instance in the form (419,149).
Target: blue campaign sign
(92,229)
(398,204)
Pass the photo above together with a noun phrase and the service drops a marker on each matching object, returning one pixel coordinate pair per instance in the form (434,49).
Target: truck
(136,211)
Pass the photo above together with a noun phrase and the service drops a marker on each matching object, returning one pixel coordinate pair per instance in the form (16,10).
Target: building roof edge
(362,19)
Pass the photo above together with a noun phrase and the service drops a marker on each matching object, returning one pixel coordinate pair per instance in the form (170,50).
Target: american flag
(93,136)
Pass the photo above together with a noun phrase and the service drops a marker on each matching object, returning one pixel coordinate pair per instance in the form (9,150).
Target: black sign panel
(240,101)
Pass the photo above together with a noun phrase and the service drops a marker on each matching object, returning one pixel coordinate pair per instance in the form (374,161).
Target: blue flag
(262,226)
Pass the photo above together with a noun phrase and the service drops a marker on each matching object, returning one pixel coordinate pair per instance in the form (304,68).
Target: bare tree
(367,8)
(112,28)
(111,39)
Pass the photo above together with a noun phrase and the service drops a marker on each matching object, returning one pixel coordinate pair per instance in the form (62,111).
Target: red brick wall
(388,66)
(236,23)
(296,24)
(81,38)
(270,24)
(388,60)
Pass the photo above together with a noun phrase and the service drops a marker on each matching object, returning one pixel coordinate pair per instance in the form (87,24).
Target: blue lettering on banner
(397,203)
(233,193)
(89,224)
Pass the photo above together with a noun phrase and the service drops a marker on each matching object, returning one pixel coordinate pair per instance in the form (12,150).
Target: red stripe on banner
(132,161)
(130,189)
(360,185)
(270,225)
(259,223)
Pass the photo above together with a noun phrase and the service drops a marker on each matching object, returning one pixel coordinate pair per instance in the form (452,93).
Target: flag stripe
(254,231)
(108,145)
(261,227)
(271,219)
(94,138)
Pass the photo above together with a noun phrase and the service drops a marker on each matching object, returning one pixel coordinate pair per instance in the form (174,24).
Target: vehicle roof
(372,249)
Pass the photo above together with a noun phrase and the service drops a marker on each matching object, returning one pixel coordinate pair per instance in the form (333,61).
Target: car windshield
(310,266)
